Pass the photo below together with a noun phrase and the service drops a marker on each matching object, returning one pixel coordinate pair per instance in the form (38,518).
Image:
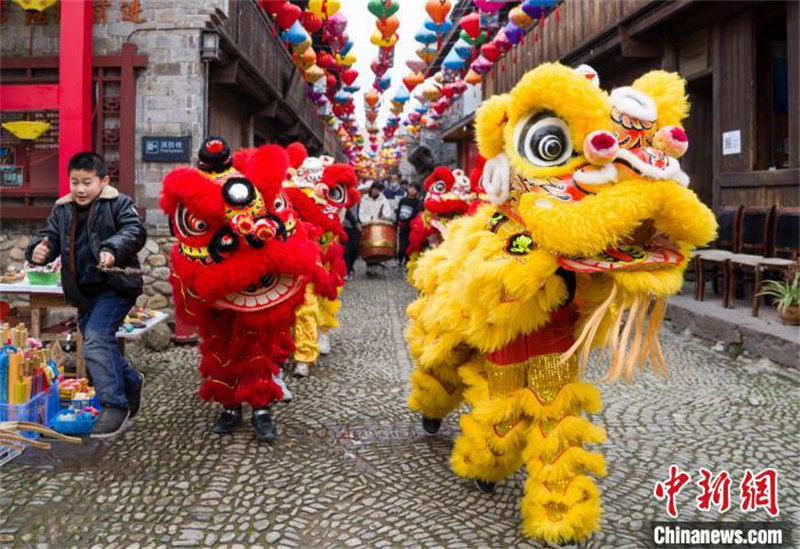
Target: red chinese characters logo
(757,491)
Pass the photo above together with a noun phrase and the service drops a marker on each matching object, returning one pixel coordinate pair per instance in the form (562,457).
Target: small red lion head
(442,198)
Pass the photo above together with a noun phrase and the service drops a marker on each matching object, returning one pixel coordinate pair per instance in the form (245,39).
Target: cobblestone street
(353,467)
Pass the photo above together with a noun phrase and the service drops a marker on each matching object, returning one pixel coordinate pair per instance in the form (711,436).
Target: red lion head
(240,245)
(442,198)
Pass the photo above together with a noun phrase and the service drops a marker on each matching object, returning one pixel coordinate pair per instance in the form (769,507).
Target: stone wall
(169,91)
(153,257)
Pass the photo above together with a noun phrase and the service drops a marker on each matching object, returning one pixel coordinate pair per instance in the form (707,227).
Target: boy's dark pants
(113,377)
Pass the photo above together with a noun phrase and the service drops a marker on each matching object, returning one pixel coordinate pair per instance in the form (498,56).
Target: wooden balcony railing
(255,40)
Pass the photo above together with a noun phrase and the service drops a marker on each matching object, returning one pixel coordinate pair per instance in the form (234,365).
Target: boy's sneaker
(110,422)
(135,398)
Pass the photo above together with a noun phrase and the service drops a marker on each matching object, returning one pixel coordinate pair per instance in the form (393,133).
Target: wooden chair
(786,249)
(729,220)
(758,223)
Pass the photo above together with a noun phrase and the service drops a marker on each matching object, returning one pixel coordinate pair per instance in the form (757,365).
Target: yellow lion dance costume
(591,220)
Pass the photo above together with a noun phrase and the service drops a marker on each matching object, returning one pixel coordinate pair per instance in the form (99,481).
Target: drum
(378,242)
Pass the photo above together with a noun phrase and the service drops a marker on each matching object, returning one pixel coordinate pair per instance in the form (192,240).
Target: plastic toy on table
(43,275)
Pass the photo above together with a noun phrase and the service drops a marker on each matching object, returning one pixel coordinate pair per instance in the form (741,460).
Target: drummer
(374,207)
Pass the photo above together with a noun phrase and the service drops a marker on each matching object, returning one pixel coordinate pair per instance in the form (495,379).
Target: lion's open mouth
(646,249)
(272,290)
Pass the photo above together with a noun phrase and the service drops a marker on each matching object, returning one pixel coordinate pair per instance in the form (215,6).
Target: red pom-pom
(297,154)
(214,146)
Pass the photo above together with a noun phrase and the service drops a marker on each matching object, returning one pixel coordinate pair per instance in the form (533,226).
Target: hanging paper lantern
(347,60)
(308,57)
(490,51)
(349,76)
(371,98)
(378,68)
(352,89)
(310,22)
(336,24)
(501,41)
(439,28)
(519,17)
(314,73)
(452,61)
(378,39)
(425,36)
(416,65)
(536,9)
(438,9)
(427,54)
(383,9)
(482,38)
(389,26)
(471,24)
(303,46)
(463,50)
(383,83)
(271,6)
(431,93)
(296,34)
(481,65)
(413,80)
(287,16)
(346,47)
(402,95)
(342,97)
(489,6)
(324,59)
(513,33)
(324,8)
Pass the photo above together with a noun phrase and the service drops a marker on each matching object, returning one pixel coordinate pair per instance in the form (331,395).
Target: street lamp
(209,45)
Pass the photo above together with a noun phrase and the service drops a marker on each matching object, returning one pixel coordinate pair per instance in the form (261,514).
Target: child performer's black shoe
(431,425)
(135,398)
(485,487)
(228,420)
(263,426)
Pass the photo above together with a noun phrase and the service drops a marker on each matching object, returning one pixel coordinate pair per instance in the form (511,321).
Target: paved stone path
(354,469)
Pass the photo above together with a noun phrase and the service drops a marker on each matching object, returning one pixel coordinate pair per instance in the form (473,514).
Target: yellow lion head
(595,179)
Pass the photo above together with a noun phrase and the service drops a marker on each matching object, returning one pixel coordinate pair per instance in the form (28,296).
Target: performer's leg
(561,501)
(305,334)
(493,433)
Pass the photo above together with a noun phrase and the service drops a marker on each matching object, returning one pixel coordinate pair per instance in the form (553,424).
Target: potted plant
(786,294)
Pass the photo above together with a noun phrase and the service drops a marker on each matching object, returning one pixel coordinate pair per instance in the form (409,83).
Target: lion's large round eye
(337,194)
(280,203)
(543,140)
(439,187)
(188,224)
(238,191)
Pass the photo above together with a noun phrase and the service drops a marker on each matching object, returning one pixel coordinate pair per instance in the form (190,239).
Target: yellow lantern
(324,8)
(35,5)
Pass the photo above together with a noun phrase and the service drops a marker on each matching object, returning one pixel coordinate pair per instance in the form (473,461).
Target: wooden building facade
(741,60)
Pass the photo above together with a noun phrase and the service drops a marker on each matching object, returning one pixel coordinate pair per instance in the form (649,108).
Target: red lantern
(287,15)
(271,6)
(349,76)
(310,22)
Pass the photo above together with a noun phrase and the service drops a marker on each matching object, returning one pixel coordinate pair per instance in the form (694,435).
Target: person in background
(353,230)
(94,228)
(407,210)
(374,207)
(394,192)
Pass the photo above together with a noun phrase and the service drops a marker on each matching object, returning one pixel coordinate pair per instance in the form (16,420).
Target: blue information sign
(166,149)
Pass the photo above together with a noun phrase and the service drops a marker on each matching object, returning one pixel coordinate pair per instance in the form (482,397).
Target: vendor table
(43,297)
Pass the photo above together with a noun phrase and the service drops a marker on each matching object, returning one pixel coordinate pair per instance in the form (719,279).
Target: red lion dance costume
(321,191)
(447,197)
(239,270)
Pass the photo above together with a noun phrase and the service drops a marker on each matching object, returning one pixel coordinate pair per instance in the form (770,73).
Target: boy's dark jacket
(113,225)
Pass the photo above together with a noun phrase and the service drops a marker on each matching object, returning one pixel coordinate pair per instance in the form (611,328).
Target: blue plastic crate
(71,427)
(40,409)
